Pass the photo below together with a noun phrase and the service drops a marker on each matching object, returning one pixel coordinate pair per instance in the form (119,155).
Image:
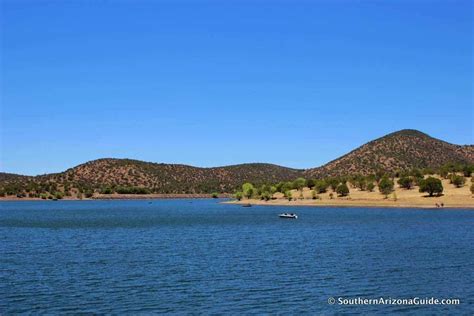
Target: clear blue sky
(210,83)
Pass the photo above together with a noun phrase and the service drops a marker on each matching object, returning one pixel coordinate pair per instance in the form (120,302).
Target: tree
(315,196)
(321,186)
(406,182)
(458,181)
(370,186)
(89,193)
(248,190)
(238,195)
(288,195)
(386,186)
(58,195)
(310,183)
(361,183)
(333,183)
(286,187)
(215,195)
(266,196)
(299,183)
(342,189)
(467,170)
(431,186)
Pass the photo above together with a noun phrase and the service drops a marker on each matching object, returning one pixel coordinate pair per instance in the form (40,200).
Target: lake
(203,257)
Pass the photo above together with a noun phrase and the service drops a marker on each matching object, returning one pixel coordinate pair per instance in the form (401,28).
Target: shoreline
(112,197)
(352,204)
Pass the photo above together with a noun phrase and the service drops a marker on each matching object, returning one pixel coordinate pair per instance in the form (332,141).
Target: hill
(155,177)
(402,150)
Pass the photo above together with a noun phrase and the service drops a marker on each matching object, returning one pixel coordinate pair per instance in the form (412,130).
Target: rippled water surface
(199,256)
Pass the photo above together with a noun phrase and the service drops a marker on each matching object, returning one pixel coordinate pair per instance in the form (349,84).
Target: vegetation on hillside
(343,185)
(407,155)
(402,150)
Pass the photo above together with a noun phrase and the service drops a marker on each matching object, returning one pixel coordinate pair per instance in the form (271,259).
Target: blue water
(202,257)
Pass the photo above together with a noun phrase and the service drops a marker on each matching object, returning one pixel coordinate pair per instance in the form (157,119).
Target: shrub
(458,181)
(215,195)
(342,189)
(238,195)
(299,183)
(288,195)
(248,190)
(333,183)
(370,186)
(321,186)
(406,182)
(386,186)
(88,193)
(131,190)
(431,186)
(58,195)
(106,190)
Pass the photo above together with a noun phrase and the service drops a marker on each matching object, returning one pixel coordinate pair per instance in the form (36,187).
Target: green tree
(310,183)
(288,195)
(467,170)
(386,186)
(88,193)
(333,183)
(299,183)
(266,196)
(458,181)
(286,187)
(321,186)
(342,189)
(248,190)
(406,182)
(431,186)
(58,195)
(361,183)
(370,186)
(215,195)
(238,195)
(106,190)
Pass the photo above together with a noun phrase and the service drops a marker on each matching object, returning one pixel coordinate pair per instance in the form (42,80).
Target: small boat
(288,215)
(246,205)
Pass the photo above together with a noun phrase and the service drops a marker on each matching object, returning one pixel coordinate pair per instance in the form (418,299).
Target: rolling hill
(402,150)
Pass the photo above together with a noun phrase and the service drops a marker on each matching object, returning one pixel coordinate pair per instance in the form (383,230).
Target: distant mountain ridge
(402,150)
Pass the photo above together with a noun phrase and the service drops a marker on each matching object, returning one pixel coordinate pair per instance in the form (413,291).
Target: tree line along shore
(428,182)
(446,187)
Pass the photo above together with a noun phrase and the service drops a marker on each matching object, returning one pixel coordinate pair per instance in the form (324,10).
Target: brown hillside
(402,150)
(170,178)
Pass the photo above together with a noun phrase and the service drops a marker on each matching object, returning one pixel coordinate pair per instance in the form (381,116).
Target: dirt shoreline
(371,204)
